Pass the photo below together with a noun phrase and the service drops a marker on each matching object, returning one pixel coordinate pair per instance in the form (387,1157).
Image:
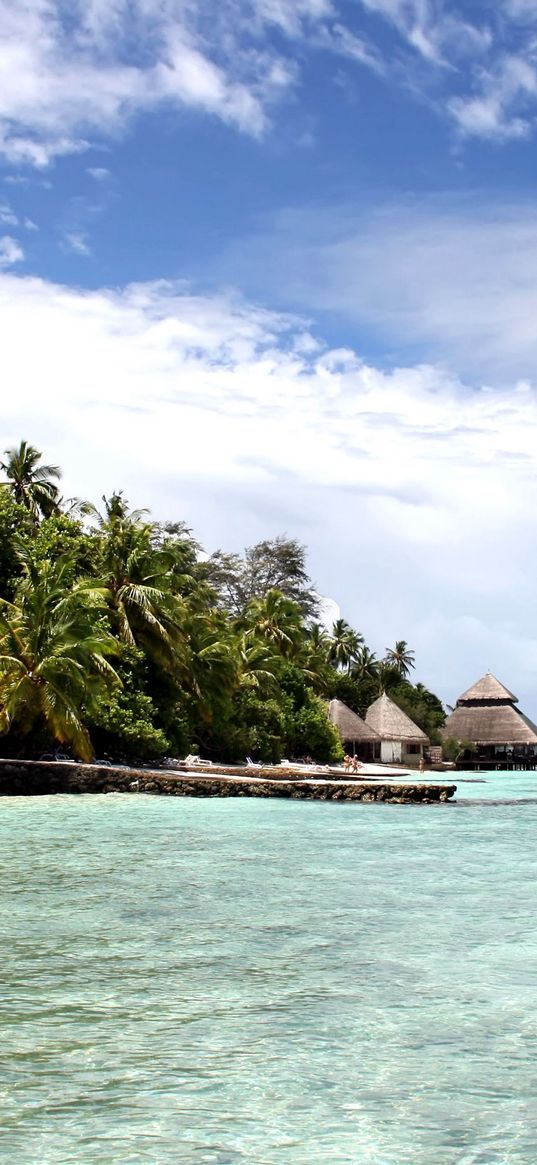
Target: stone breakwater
(39,778)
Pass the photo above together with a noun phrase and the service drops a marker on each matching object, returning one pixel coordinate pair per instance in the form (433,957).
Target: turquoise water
(243,982)
(493,786)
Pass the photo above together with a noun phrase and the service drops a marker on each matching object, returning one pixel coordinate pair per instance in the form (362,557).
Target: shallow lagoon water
(242,982)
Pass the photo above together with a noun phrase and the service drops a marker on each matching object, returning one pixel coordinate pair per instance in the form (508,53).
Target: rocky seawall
(38,778)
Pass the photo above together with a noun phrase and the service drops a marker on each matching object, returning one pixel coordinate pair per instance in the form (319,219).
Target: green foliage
(62,536)
(33,486)
(124,722)
(453,750)
(358,694)
(16,526)
(123,726)
(179,550)
(277,620)
(314,735)
(277,565)
(423,707)
(401,658)
(144,609)
(220,655)
(308,731)
(53,655)
(258,729)
(345,645)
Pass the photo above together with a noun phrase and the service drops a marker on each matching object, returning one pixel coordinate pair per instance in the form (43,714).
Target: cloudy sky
(271,266)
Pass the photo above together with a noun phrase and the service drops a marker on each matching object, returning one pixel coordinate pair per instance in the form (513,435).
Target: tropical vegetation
(121,637)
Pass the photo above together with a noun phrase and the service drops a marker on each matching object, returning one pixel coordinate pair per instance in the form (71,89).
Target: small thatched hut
(401,739)
(358,738)
(486,716)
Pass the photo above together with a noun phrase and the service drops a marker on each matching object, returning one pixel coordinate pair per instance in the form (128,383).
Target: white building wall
(391,752)
(410,756)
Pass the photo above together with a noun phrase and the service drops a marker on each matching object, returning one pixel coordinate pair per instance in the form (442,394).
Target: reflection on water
(268,982)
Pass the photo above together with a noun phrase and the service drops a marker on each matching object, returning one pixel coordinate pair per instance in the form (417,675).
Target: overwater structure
(487,717)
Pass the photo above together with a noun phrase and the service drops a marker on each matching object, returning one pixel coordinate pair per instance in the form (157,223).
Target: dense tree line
(119,636)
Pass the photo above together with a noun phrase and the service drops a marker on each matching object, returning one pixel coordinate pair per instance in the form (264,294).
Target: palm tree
(53,655)
(401,658)
(138,579)
(365,665)
(277,620)
(318,641)
(258,663)
(75,507)
(32,485)
(213,667)
(314,657)
(386,675)
(116,510)
(346,645)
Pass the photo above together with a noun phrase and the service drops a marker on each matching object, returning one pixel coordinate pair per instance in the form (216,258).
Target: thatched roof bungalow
(401,739)
(487,716)
(357,737)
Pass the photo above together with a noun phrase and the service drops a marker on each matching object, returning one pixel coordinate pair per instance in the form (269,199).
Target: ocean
(250,982)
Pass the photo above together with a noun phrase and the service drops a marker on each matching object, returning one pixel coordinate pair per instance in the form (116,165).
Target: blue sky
(272,266)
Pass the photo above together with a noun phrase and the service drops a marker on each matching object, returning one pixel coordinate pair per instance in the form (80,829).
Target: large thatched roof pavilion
(401,739)
(486,715)
(357,737)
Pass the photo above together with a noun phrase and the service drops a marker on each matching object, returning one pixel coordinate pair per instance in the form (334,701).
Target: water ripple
(268,983)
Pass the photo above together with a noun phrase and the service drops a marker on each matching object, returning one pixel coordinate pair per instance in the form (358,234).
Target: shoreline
(23,778)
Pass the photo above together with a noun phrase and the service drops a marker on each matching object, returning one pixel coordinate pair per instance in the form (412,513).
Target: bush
(123,728)
(453,749)
(15,525)
(312,734)
(257,729)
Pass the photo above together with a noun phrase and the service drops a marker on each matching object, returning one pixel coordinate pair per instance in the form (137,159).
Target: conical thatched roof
(490,724)
(486,714)
(490,689)
(392,723)
(349,725)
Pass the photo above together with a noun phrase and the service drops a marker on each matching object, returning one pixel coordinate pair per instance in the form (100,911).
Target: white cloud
(489,81)
(8,216)
(454,281)
(406,485)
(345,43)
(10,251)
(100,173)
(486,117)
(413,19)
(65,78)
(73,75)
(76,241)
(435,30)
(520,10)
(504,94)
(289,16)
